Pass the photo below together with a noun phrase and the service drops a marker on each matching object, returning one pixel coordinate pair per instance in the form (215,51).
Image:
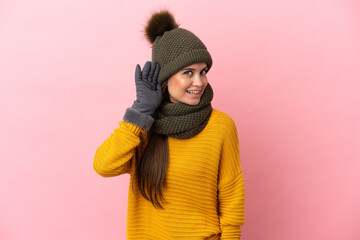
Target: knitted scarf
(180,120)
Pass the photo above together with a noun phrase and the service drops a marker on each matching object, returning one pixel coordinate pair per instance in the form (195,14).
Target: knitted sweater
(204,192)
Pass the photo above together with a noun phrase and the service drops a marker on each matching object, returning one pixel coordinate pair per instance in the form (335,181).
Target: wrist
(134,116)
(142,109)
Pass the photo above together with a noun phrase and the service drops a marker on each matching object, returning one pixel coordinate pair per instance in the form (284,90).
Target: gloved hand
(148,90)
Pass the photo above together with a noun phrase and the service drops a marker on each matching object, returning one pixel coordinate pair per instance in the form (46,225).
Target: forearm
(114,155)
(232,207)
(230,232)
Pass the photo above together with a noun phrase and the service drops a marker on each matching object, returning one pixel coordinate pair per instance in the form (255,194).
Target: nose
(198,81)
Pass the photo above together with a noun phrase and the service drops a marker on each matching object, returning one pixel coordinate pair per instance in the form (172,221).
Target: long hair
(151,167)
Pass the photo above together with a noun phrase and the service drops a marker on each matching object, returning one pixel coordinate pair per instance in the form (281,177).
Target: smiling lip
(194,93)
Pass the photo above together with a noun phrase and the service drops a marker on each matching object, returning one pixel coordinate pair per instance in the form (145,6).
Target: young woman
(182,155)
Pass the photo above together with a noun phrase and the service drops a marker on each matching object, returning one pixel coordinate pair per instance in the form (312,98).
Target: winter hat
(172,47)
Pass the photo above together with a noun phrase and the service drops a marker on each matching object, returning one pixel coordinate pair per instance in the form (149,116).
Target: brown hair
(152,166)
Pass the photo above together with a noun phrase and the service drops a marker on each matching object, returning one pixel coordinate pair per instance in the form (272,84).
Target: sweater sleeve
(114,155)
(231,193)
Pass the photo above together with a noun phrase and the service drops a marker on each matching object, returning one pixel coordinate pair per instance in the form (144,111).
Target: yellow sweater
(205,190)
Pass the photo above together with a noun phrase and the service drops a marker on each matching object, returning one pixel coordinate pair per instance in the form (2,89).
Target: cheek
(172,85)
(205,82)
(176,85)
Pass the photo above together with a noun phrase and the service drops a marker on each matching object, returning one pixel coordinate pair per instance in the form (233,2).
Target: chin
(185,100)
(192,102)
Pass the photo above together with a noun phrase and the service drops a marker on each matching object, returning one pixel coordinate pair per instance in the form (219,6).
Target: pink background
(288,72)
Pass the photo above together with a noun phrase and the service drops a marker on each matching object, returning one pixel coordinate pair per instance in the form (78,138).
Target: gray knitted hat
(172,47)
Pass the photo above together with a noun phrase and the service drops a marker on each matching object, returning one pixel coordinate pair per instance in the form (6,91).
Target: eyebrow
(193,69)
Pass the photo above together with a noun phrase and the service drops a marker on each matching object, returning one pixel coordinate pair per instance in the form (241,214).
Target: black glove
(148,96)
(148,90)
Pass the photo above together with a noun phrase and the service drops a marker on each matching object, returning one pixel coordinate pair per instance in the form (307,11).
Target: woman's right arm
(114,155)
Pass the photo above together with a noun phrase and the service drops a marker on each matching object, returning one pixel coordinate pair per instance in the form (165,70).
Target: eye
(188,73)
(203,72)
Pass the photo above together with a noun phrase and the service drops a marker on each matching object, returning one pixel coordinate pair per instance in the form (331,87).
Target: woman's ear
(165,91)
(164,85)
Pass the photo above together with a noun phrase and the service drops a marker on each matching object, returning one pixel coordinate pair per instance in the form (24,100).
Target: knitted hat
(172,47)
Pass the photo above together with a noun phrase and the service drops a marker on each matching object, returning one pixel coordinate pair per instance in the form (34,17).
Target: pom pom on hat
(158,24)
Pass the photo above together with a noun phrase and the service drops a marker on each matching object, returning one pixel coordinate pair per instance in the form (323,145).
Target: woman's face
(188,84)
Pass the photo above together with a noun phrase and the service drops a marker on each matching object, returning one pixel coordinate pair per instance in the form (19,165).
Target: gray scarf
(180,120)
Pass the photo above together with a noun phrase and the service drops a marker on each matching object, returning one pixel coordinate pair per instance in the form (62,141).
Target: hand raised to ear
(148,90)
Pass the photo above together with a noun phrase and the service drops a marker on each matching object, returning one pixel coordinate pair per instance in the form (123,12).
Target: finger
(146,69)
(137,73)
(152,70)
(156,73)
(158,87)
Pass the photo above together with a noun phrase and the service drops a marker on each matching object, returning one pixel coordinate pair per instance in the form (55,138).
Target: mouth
(193,92)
